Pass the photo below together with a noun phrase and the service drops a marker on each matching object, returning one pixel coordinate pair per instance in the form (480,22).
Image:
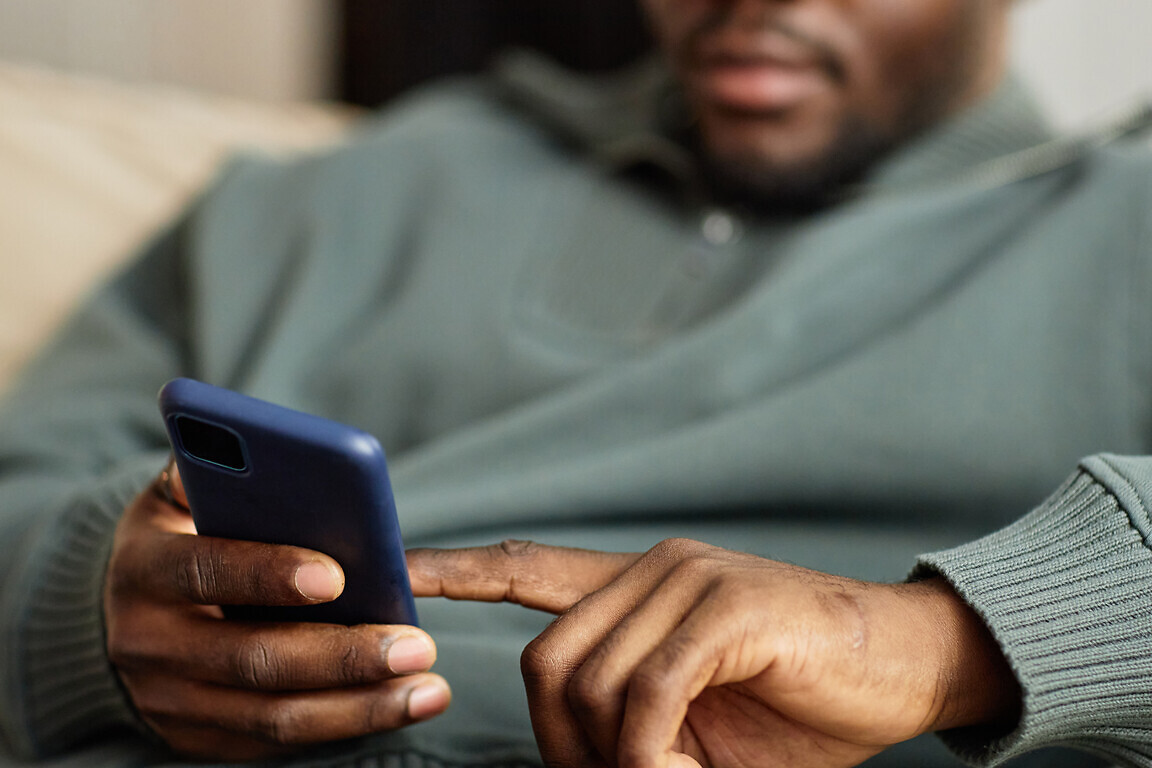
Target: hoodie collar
(620,120)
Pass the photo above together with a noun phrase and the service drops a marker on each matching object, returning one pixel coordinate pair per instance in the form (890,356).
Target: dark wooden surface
(388,46)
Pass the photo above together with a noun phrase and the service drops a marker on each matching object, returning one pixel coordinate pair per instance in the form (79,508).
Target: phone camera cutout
(211,443)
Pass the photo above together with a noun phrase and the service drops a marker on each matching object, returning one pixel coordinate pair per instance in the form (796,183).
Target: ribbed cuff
(1067,592)
(71,692)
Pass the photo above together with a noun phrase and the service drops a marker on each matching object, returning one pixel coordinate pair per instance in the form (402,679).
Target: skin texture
(792,100)
(693,655)
(218,689)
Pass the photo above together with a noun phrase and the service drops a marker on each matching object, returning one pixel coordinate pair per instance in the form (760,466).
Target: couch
(89,168)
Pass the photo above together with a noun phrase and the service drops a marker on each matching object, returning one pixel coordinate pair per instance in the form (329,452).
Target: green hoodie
(520,286)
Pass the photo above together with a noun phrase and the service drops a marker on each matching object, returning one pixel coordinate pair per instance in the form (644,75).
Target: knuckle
(146,703)
(118,655)
(513,558)
(116,580)
(356,656)
(129,643)
(382,712)
(255,665)
(540,661)
(587,693)
(154,701)
(354,666)
(693,568)
(516,548)
(648,683)
(674,545)
(118,643)
(119,647)
(282,723)
(129,565)
(351,668)
(196,576)
(678,548)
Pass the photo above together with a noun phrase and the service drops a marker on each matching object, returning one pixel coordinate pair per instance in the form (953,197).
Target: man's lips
(765,70)
(758,85)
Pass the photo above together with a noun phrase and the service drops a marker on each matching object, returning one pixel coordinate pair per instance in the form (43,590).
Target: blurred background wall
(1085,58)
(278,49)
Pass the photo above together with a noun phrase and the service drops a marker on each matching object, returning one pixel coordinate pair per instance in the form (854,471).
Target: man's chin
(753,179)
(767,191)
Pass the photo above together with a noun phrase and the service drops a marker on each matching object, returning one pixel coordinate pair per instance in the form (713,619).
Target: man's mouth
(758,85)
(764,72)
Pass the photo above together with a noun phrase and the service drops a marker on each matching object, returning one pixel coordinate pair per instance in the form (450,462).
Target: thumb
(534,575)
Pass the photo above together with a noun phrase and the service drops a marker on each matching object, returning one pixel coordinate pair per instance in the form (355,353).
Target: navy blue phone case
(298,479)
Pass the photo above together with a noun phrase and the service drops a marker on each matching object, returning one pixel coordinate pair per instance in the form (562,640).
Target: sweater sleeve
(79,438)
(1065,591)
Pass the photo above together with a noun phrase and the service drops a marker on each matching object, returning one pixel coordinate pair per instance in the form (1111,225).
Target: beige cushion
(89,168)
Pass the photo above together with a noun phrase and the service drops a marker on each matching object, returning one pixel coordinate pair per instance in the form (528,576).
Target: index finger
(534,575)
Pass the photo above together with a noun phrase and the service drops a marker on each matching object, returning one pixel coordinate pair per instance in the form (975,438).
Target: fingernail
(428,700)
(410,654)
(316,581)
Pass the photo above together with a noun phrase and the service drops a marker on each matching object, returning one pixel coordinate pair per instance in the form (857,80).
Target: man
(834,300)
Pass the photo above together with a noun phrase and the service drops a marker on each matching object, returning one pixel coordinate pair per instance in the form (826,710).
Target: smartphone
(257,471)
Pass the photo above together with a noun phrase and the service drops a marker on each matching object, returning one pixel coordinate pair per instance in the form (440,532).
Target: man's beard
(772,186)
(749,180)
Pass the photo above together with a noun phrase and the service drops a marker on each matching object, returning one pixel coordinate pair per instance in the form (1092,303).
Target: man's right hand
(220,689)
